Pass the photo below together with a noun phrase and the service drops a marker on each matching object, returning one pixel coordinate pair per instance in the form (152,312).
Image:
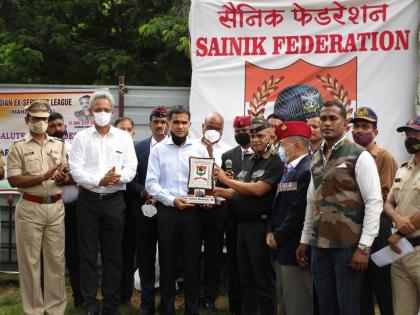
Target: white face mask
(212,135)
(39,128)
(282,153)
(102,118)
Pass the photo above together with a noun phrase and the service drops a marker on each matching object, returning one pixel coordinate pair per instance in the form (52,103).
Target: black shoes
(144,311)
(91,313)
(208,306)
(110,312)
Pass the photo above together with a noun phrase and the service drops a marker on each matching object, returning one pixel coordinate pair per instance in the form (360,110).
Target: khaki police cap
(38,108)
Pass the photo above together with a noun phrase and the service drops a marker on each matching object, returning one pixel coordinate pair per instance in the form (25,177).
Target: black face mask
(178,140)
(412,145)
(60,134)
(242,139)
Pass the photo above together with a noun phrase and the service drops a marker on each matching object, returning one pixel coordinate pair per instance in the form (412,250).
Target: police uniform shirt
(267,168)
(405,192)
(1,160)
(28,157)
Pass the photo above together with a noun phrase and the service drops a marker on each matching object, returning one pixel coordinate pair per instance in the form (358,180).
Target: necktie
(289,170)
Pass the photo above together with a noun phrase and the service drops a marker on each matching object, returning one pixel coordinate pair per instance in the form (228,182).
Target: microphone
(228,164)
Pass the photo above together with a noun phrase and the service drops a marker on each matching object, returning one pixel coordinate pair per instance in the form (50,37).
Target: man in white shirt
(102,161)
(178,222)
(344,204)
(213,218)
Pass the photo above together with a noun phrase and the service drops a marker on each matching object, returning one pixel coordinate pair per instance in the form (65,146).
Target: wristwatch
(365,249)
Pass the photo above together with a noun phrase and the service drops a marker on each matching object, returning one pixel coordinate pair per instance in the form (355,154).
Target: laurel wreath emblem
(262,95)
(337,91)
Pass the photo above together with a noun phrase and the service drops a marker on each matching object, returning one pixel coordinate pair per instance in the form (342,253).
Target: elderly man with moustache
(252,194)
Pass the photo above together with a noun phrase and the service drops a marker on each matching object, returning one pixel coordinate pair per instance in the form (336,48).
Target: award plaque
(200,181)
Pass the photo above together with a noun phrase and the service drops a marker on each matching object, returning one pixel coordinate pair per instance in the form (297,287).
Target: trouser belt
(100,196)
(40,199)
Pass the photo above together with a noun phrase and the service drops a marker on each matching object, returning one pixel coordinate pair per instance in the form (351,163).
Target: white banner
(248,56)
(73,105)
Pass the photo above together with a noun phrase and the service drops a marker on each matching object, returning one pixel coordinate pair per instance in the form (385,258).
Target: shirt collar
(375,150)
(295,162)
(271,151)
(335,144)
(111,131)
(153,142)
(169,141)
(28,137)
(412,162)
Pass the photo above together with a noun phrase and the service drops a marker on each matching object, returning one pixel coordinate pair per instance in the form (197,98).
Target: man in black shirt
(252,194)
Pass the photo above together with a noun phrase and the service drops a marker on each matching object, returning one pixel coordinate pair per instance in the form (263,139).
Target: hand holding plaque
(200,181)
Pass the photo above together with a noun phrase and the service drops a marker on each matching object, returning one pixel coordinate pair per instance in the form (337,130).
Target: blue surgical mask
(282,153)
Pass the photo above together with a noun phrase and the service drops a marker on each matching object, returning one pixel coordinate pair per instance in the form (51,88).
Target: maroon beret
(241,121)
(293,128)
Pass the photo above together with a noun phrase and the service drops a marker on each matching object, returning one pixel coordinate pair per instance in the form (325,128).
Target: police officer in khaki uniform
(403,207)
(37,165)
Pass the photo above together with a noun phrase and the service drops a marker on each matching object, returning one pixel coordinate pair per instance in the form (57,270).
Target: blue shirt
(168,169)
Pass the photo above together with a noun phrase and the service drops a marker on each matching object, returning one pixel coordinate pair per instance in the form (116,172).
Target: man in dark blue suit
(288,216)
(146,229)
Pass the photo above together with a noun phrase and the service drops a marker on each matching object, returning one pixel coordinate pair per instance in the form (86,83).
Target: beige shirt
(28,157)
(387,167)
(2,160)
(405,192)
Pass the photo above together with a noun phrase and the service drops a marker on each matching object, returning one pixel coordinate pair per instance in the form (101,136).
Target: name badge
(258,173)
(291,186)
(28,153)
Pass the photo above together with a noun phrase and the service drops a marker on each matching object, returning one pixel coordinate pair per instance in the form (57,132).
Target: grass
(10,303)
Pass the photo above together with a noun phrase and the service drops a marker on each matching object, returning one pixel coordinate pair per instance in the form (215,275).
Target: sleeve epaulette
(404,164)
(21,139)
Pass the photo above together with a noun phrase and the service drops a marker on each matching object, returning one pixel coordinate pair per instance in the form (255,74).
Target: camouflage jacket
(339,207)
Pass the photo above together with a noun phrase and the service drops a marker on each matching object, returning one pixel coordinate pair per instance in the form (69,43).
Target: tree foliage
(93,41)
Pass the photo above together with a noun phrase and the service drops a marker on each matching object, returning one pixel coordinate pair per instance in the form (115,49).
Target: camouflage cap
(258,124)
(365,113)
(413,123)
(38,108)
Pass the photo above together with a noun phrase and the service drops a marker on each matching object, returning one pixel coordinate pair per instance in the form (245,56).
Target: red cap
(242,121)
(293,128)
(413,123)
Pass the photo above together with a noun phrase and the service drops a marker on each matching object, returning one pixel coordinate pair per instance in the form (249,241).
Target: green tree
(93,41)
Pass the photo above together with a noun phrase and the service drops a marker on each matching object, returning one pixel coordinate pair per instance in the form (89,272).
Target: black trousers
(256,270)
(146,237)
(234,286)
(213,236)
(179,229)
(129,246)
(377,280)
(72,251)
(100,222)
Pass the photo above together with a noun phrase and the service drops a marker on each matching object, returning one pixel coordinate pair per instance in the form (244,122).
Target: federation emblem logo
(200,170)
(298,91)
